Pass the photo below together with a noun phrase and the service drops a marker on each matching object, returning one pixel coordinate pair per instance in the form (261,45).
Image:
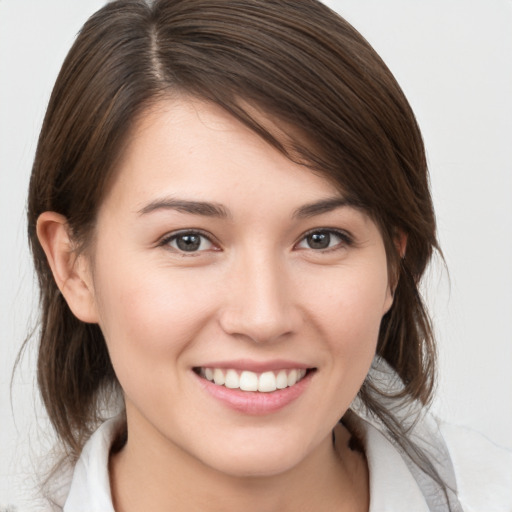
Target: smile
(265,382)
(255,388)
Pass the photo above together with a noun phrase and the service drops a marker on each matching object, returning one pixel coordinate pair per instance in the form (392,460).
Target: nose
(259,303)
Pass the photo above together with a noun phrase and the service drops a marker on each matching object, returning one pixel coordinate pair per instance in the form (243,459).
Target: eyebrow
(209,209)
(322,206)
(182,205)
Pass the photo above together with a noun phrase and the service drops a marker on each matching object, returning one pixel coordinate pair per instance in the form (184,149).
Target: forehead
(195,148)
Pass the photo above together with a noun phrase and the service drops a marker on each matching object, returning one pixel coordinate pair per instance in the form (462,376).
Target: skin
(255,290)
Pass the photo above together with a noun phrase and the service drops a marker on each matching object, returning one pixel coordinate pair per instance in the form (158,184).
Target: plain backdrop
(453,59)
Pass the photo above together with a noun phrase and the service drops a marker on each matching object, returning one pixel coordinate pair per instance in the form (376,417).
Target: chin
(257,459)
(242,467)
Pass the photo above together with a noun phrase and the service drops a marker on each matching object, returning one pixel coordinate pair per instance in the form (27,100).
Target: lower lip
(255,402)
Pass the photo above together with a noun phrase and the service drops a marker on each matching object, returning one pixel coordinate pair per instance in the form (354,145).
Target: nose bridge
(259,304)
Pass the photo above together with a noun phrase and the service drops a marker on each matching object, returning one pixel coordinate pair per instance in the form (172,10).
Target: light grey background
(453,60)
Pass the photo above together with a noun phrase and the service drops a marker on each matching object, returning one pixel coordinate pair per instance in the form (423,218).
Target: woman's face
(216,259)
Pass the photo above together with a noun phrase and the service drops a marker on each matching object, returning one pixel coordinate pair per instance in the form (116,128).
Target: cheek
(354,303)
(150,322)
(348,313)
(148,317)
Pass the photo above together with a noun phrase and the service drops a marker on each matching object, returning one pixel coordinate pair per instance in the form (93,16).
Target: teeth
(292,377)
(281,380)
(232,379)
(265,382)
(218,377)
(248,381)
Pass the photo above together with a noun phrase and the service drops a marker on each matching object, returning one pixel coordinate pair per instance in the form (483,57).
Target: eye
(322,239)
(188,241)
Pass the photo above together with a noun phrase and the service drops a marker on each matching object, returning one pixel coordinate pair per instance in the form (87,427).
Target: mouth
(245,380)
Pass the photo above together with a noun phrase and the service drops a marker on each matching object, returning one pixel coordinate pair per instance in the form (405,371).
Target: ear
(400,241)
(71,272)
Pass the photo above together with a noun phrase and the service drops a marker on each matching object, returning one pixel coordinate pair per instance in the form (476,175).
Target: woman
(230,216)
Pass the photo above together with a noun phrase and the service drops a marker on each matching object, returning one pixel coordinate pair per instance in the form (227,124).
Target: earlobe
(401,244)
(71,272)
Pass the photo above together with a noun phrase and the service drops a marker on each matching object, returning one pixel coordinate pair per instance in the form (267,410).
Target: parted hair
(302,65)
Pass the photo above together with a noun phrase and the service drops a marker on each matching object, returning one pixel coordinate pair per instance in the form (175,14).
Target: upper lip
(256,366)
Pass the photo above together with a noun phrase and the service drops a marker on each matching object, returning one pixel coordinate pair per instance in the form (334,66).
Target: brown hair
(295,60)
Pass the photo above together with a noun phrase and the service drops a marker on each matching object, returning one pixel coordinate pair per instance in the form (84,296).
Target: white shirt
(483,473)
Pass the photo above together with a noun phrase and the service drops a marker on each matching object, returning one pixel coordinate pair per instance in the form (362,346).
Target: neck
(162,477)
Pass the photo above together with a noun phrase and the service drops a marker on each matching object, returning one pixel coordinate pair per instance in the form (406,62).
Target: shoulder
(483,470)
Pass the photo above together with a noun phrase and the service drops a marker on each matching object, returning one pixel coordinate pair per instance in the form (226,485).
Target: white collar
(392,485)
(90,486)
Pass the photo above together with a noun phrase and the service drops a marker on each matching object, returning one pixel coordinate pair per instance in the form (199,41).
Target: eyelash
(345,240)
